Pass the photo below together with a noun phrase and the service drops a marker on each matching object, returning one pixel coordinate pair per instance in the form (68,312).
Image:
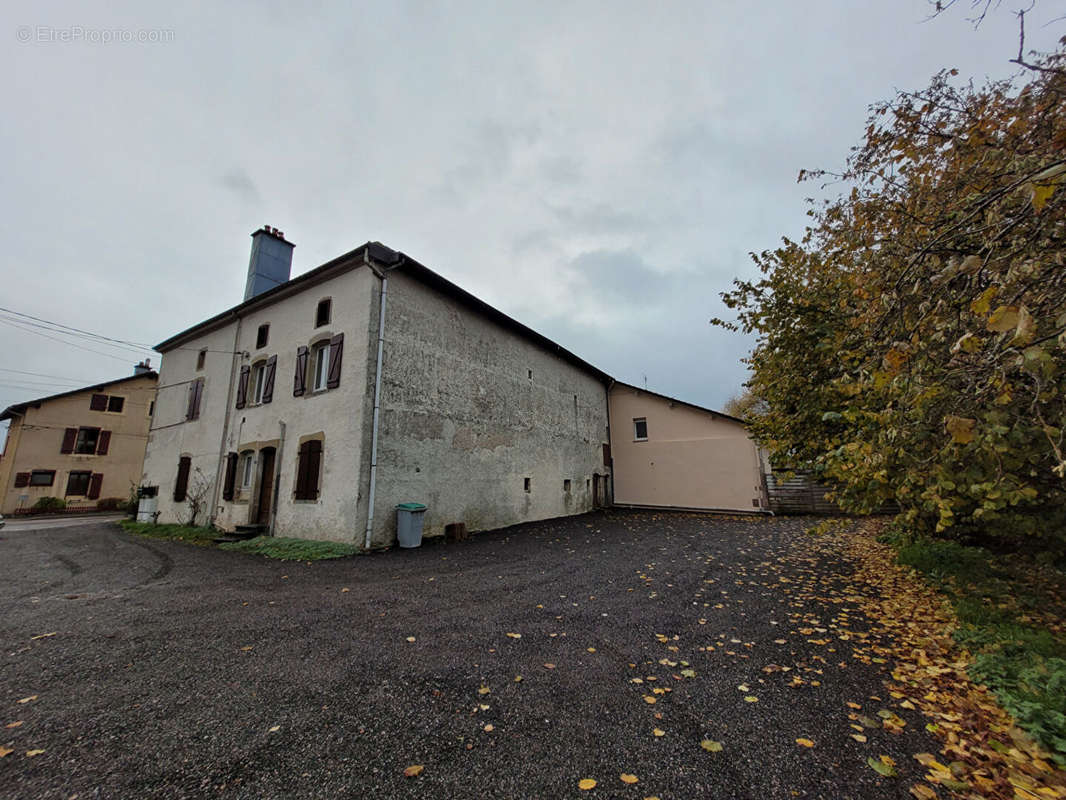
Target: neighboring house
(318,404)
(672,454)
(81,445)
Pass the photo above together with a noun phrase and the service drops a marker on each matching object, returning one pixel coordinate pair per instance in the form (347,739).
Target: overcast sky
(599,171)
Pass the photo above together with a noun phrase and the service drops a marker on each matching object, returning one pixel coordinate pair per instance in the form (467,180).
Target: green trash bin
(409,524)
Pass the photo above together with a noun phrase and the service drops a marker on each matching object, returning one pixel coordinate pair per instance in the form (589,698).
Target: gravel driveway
(510,666)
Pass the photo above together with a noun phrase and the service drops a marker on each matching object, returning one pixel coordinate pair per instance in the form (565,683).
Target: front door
(266,486)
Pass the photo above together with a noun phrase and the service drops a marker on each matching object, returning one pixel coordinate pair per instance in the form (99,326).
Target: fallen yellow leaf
(274,729)
(585,784)
(29,699)
(751,699)
(13,724)
(659,732)
(410,638)
(484,690)
(805,743)
(517,678)
(592,649)
(413,771)
(32,753)
(515,635)
(489,728)
(549,665)
(627,778)
(247,647)
(42,636)
(858,737)
(649,699)
(5,751)
(711,746)
(345,589)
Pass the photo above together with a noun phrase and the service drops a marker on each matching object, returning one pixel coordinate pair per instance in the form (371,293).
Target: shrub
(50,504)
(111,504)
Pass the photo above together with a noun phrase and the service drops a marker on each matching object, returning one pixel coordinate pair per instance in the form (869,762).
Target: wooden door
(266,486)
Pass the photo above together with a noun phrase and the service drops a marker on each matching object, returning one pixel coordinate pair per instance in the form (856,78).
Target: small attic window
(262,336)
(200,358)
(323,312)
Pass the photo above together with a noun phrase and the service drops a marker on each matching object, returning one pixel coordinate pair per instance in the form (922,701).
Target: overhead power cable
(62,341)
(137,345)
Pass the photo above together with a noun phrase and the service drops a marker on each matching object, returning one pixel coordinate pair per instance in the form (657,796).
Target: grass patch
(177,533)
(1010,612)
(291,549)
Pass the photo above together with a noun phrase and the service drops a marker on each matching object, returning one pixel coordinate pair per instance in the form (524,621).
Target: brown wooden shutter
(95,482)
(314,464)
(606,454)
(268,379)
(181,485)
(198,396)
(299,381)
(192,401)
(103,443)
(70,438)
(301,473)
(336,353)
(242,386)
(98,402)
(22,479)
(231,476)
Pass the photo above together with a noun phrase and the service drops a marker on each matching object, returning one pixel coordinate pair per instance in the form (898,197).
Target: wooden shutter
(231,476)
(199,395)
(242,386)
(98,402)
(22,479)
(70,438)
(181,485)
(299,381)
(103,443)
(606,455)
(95,482)
(314,464)
(301,474)
(192,401)
(336,353)
(268,379)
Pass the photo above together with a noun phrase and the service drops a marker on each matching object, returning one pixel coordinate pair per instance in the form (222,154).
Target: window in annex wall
(201,357)
(42,477)
(527,484)
(115,403)
(320,366)
(78,484)
(640,429)
(262,336)
(566,485)
(87,441)
(323,312)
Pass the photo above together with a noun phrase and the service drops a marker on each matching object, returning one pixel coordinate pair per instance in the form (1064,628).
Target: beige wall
(35,439)
(692,458)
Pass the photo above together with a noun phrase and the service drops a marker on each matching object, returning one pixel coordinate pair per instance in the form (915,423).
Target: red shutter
(95,482)
(70,438)
(242,386)
(98,402)
(22,479)
(336,352)
(299,381)
(314,464)
(231,476)
(181,485)
(268,379)
(103,443)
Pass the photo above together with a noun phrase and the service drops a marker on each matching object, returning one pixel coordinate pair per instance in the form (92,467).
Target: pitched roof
(19,408)
(682,402)
(389,260)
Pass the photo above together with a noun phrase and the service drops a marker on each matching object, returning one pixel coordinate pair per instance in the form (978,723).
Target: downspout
(237,357)
(377,402)
(277,478)
(610,436)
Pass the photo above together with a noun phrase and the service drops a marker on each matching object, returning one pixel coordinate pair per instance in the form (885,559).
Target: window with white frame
(320,366)
(258,380)
(247,469)
(640,429)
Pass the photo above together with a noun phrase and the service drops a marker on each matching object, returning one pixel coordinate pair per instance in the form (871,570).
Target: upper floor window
(201,357)
(258,376)
(258,380)
(323,313)
(103,402)
(85,441)
(261,336)
(640,429)
(320,365)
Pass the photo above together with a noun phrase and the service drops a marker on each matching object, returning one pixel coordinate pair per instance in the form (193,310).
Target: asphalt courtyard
(704,657)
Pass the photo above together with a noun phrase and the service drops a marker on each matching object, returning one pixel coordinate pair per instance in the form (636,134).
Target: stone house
(318,404)
(80,446)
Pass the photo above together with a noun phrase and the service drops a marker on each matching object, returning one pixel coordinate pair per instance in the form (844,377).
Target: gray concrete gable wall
(463,424)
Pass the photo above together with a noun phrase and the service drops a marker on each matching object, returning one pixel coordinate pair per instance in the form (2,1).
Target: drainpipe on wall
(610,442)
(377,400)
(277,478)
(234,365)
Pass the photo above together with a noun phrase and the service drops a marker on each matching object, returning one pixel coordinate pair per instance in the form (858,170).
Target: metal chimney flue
(271,261)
